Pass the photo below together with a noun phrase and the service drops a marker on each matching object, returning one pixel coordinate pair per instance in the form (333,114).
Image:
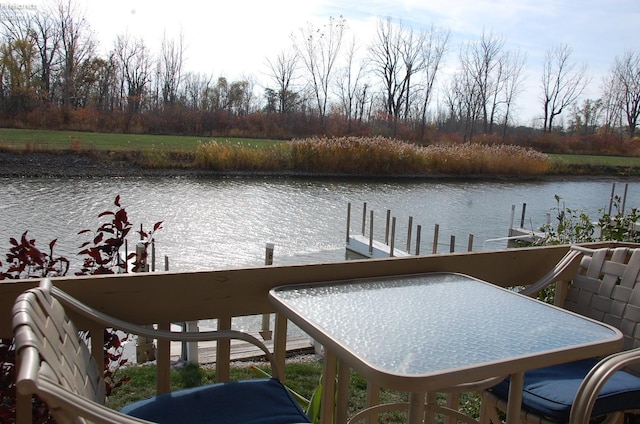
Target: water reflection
(219,223)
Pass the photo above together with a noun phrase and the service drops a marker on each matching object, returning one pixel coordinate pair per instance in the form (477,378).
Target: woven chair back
(40,321)
(606,289)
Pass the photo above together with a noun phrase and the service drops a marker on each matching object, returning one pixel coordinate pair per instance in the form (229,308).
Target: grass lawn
(54,140)
(593,160)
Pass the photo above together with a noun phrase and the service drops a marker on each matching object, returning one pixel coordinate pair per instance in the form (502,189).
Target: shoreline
(72,165)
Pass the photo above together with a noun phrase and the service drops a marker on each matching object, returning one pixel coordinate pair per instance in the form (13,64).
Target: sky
(234,38)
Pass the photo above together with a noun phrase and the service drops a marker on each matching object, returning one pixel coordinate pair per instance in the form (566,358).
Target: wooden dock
(374,249)
(243,351)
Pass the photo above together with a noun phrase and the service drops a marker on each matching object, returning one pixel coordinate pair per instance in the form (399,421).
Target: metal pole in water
(371,234)
(524,208)
(418,232)
(386,228)
(409,234)
(436,231)
(513,213)
(470,245)
(348,221)
(166,263)
(393,236)
(364,217)
(452,244)
(153,255)
(266,332)
(613,193)
(624,197)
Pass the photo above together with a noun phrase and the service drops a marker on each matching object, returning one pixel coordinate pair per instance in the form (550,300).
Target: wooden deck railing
(165,297)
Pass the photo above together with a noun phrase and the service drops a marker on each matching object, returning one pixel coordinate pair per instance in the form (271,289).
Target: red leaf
(157,226)
(117,202)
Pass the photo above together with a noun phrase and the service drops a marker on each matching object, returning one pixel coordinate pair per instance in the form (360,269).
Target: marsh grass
(373,156)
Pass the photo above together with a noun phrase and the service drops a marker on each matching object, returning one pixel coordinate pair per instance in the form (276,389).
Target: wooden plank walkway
(241,350)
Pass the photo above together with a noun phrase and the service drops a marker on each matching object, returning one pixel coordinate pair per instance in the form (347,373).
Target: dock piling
(348,221)
(409,234)
(371,235)
(418,232)
(393,236)
(436,231)
(265,331)
(386,229)
(364,218)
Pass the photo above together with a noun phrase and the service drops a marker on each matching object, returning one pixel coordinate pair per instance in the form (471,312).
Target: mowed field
(64,140)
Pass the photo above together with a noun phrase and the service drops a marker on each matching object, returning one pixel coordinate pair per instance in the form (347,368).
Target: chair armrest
(84,407)
(111,322)
(596,379)
(555,272)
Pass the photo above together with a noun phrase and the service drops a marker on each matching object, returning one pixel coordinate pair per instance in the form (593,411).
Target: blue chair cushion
(259,401)
(550,391)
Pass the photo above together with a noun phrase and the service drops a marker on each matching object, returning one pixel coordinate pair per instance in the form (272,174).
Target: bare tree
(171,61)
(433,51)
(562,83)
(349,85)
(482,62)
(319,49)
(47,40)
(76,46)
(195,90)
(396,55)
(134,64)
(514,63)
(283,73)
(625,82)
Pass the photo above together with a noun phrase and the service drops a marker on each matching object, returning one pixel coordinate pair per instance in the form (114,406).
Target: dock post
(166,263)
(613,193)
(153,255)
(364,218)
(436,231)
(418,232)
(348,221)
(452,244)
(386,228)
(266,318)
(409,234)
(524,208)
(513,213)
(371,234)
(393,236)
(624,198)
(470,245)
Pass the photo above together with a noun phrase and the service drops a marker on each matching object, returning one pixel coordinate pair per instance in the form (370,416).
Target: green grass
(74,140)
(593,160)
(303,378)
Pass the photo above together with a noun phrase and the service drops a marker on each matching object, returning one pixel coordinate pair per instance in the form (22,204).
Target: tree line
(51,75)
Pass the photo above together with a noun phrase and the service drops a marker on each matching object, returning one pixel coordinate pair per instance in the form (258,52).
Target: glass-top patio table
(431,332)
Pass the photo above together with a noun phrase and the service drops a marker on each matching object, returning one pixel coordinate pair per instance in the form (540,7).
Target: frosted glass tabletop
(433,323)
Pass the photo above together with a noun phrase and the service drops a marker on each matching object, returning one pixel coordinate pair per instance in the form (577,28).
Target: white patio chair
(55,364)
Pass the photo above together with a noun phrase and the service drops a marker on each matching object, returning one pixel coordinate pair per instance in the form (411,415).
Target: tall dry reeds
(373,156)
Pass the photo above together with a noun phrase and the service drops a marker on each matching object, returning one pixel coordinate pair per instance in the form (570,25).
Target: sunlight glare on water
(225,222)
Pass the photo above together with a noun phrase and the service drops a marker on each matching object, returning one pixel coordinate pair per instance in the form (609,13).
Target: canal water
(226,222)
